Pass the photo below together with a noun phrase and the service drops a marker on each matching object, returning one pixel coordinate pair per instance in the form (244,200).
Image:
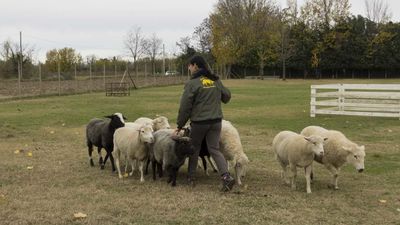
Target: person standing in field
(201,103)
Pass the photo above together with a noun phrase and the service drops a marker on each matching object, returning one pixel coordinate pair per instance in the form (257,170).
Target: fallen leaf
(398,210)
(63,124)
(52,132)
(382,201)
(390,131)
(29,167)
(80,215)
(17,151)
(30,154)
(126,175)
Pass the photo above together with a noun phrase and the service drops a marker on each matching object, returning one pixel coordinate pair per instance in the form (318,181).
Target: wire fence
(14,88)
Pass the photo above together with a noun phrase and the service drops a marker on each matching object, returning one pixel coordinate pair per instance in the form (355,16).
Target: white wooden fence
(380,100)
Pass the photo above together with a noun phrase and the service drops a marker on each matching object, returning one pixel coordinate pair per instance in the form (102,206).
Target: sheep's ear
(124,117)
(110,117)
(347,149)
(362,148)
(307,139)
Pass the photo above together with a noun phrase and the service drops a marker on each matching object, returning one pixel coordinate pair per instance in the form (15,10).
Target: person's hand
(177,130)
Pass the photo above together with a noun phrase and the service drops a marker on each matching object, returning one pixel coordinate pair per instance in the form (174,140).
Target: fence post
(59,77)
(341,97)
(104,74)
(76,80)
(312,103)
(90,77)
(40,79)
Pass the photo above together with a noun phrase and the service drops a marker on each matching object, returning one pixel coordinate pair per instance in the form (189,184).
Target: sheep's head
(161,122)
(146,134)
(183,146)
(240,167)
(317,144)
(355,157)
(117,120)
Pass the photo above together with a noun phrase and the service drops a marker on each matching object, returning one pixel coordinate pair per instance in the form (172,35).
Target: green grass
(62,183)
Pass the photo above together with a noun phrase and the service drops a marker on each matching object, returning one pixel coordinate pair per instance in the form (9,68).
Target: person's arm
(186,105)
(225,93)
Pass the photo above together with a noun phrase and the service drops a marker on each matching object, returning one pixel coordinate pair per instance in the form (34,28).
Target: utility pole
(20,63)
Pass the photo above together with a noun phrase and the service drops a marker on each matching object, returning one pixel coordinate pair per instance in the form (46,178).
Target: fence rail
(379,100)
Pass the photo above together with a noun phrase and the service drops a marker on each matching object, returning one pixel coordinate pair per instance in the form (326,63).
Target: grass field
(45,175)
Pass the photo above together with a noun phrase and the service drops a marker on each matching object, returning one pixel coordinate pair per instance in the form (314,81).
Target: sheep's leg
(213,166)
(284,174)
(174,173)
(237,176)
(146,171)
(141,171)
(112,162)
(293,175)
(204,162)
(90,150)
(101,163)
(312,173)
(335,174)
(131,162)
(105,160)
(153,166)
(160,169)
(118,166)
(308,170)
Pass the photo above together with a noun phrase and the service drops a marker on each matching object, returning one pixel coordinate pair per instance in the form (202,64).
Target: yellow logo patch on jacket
(207,83)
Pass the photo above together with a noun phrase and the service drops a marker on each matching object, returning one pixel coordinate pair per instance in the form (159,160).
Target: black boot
(227,182)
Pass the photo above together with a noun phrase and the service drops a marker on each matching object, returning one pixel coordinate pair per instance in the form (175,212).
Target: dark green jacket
(201,99)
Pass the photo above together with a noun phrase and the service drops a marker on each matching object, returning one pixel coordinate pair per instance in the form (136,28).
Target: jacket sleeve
(186,105)
(225,93)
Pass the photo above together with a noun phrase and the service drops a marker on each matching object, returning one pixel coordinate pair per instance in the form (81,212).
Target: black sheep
(100,132)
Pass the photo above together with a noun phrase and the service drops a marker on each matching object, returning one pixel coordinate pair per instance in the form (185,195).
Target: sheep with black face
(100,132)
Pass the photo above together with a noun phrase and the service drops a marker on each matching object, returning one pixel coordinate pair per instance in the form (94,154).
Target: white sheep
(131,143)
(232,149)
(296,150)
(161,122)
(338,151)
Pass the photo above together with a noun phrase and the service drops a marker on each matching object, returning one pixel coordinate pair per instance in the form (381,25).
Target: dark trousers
(211,132)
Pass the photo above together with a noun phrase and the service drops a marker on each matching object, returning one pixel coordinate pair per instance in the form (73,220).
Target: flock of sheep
(152,141)
(146,141)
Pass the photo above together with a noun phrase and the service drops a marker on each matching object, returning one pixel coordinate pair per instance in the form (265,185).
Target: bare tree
(324,13)
(135,43)
(11,54)
(153,49)
(377,11)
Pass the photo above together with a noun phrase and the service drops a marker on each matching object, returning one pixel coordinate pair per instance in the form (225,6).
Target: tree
(377,11)
(11,54)
(152,48)
(324,14)
(135,43)
(66,57)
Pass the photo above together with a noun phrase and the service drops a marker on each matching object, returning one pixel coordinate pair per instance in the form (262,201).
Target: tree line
(321,39)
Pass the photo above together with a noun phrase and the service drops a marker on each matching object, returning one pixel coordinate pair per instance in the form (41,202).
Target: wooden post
(341,97)
(312,103)
(104,74)
(90,78)
(59,76)
(76,80)
(40,79)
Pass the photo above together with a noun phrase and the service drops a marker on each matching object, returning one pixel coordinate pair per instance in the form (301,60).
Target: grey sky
(99,27)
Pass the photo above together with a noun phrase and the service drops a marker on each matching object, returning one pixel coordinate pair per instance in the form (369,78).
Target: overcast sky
(99,27)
